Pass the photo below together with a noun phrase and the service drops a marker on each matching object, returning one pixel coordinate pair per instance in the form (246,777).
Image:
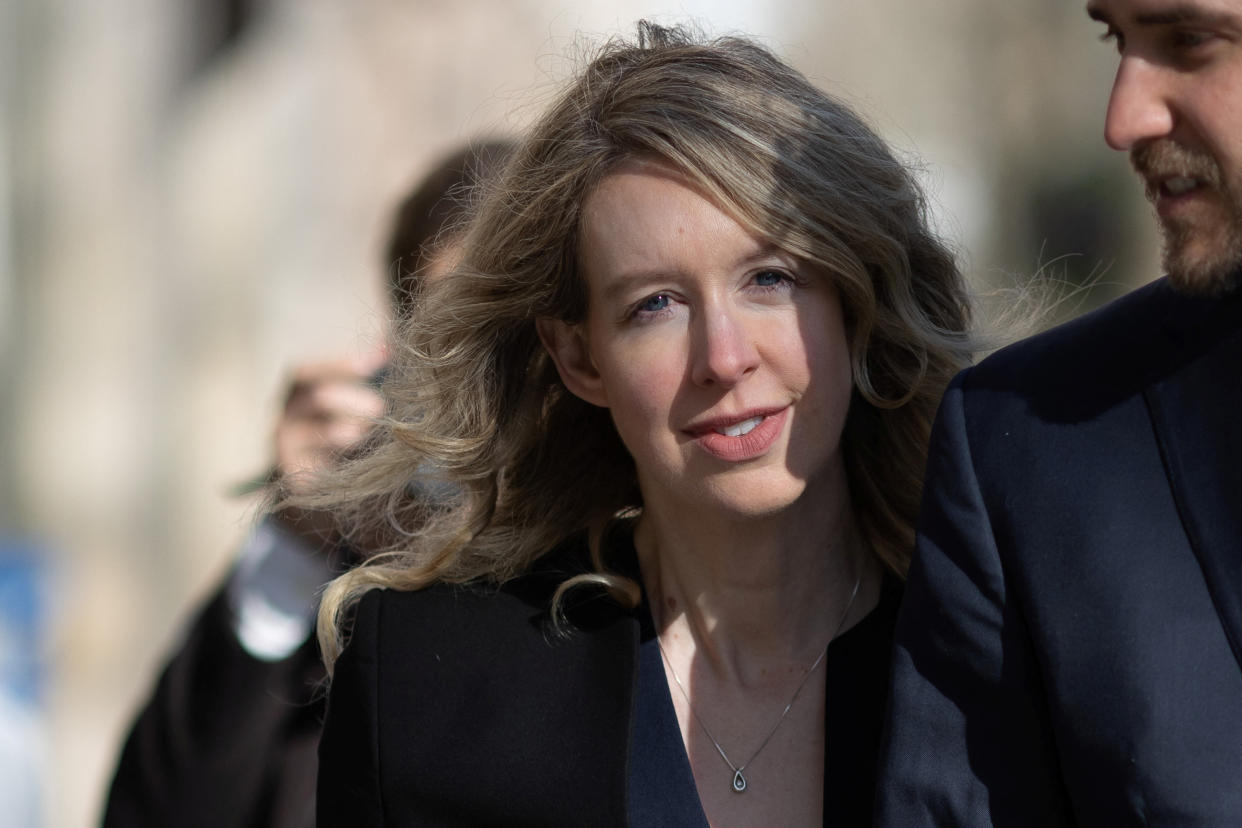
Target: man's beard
(1200,256)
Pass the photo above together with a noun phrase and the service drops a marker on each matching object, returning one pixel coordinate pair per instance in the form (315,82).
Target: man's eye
(1190,39)
(1114,35)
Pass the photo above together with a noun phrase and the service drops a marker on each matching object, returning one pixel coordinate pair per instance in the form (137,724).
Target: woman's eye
(654,304)
(770,278)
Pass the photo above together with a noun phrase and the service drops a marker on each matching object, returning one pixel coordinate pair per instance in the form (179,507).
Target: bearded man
(1070,647)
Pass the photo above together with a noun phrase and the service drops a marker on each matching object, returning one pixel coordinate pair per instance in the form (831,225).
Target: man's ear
(567,346)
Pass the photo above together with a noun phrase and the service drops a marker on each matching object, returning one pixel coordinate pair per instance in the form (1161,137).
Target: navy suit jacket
(1070,646)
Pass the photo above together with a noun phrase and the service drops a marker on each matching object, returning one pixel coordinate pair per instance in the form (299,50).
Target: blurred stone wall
(194,197)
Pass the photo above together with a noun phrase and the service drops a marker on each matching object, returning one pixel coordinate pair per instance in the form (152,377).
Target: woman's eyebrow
(626,281)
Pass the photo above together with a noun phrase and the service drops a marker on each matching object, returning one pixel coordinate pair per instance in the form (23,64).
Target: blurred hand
(329,409)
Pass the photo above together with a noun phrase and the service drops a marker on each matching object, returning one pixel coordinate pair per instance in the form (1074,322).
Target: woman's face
(723,360)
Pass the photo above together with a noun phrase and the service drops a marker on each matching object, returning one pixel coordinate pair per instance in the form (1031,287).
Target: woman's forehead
(661,171)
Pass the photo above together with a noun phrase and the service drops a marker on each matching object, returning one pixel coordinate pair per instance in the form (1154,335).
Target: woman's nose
(724,349)
(1139,108)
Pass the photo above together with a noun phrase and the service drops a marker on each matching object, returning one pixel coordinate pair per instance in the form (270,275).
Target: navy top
(661,785)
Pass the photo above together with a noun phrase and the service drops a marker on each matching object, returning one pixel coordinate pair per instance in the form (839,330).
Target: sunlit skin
(694,326)
(1176,107)
(725,365)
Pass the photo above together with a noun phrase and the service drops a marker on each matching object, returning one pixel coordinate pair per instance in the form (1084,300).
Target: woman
(683,378)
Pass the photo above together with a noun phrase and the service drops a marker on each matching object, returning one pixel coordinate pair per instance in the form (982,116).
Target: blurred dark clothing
(227,739)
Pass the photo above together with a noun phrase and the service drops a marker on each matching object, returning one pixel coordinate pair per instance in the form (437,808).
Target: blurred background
(194,197)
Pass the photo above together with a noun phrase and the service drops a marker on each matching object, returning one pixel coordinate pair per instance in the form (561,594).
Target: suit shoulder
(1091,342)
(1138,338)
(1077,370)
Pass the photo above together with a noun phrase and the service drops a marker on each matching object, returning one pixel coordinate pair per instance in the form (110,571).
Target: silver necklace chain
(739,780)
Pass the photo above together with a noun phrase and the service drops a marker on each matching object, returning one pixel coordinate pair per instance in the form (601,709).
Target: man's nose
(1139,108)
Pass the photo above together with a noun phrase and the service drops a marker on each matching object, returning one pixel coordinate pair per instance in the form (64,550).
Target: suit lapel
(1197,412)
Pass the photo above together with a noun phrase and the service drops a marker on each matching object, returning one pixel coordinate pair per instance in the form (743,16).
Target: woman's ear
(567,346)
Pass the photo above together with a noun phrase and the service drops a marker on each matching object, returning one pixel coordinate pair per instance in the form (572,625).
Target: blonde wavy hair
(475,398)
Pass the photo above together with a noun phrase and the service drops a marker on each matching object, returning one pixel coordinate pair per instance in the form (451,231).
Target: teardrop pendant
(739,782)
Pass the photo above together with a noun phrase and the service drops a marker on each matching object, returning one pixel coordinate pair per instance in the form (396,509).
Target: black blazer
(461,706)
(1070,648)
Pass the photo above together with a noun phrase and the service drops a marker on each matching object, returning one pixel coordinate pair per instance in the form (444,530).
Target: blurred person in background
(1070,647)
(682,380)
(229,734)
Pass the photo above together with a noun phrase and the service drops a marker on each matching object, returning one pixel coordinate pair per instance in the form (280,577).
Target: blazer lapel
(576,695)
(504,720)
(1197,411)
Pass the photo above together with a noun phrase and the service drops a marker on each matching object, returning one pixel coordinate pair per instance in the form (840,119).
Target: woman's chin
(753,499)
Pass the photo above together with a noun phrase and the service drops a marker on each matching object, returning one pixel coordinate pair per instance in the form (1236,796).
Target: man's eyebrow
(1181,13)
(1187,13)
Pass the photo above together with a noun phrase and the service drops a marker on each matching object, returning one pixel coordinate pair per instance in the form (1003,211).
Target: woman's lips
(740,439)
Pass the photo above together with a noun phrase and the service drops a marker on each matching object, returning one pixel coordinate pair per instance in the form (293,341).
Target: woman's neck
(755,596)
